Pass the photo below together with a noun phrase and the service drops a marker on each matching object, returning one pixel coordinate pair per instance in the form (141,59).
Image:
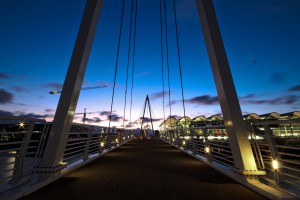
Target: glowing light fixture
(183,142)
(206,150)
(275,164)
(21,124)
(102,144)
(63,163)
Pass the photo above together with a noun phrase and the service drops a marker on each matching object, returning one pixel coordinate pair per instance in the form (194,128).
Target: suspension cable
(133,58)
(128,60)
(162,62)
(167,58)
(117,62)
(179,61)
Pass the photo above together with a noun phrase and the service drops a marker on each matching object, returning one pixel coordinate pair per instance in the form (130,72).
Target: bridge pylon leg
(238,135)
(52,160)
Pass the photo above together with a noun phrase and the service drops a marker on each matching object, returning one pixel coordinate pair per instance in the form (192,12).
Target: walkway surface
(145,169)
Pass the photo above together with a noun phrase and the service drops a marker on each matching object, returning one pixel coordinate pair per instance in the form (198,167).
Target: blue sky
(261,38)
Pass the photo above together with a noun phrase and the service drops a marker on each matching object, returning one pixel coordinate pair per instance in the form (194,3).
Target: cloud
(158,95)
(105,113)
(115,118)
(109,84)
(248,99)
(20,104)
(5,97)
(19,89)
(94,120)
(53,85)
(204,100)
(131,124)
(97,119)
(175,116)
(33,115)
(173,102)
(294,88)
(49,110)
(4,76)
(5,113)
(249,96)
(27,77)
(142,74)
(288,99)
(147,119)
(22,114)
(277,78)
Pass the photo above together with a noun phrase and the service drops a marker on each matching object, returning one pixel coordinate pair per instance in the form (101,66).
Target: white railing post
(193,134)
(273,150)
(109,132)
(207,145)
(126,135)
(20,158)
(87,144)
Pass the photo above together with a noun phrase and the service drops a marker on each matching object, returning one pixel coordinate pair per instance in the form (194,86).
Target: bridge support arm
(63,118)
(238,136)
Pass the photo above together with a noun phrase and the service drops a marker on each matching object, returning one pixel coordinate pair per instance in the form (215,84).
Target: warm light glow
(173,139)
(275,164)
(21,125)
(117,140)
(187,137)
(183,142)
(206,149)
(102,144)
(210,137)
(229,123)
(63,163)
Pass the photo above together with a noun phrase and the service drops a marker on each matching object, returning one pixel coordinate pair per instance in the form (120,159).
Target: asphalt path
(141,170)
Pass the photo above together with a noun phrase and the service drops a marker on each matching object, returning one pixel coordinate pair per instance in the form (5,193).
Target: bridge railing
(275,145)
(279,146)
(19,141)
(23,142)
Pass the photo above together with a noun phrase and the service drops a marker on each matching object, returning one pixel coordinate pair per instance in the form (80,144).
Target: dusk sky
(261,38)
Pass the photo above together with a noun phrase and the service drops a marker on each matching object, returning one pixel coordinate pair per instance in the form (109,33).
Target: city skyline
(261,39)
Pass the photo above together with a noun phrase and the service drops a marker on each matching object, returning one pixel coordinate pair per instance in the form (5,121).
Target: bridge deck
(145,169)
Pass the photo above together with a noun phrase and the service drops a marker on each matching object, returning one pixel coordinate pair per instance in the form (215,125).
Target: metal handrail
(267,145)
(18,168)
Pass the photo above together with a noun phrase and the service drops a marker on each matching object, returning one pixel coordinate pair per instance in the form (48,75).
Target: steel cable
(117,62)
(179,61)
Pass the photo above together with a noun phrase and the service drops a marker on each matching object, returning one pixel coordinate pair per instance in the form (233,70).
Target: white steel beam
(68,100)
(238,136)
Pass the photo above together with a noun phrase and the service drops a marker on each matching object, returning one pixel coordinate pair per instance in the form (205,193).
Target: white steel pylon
(147,102)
